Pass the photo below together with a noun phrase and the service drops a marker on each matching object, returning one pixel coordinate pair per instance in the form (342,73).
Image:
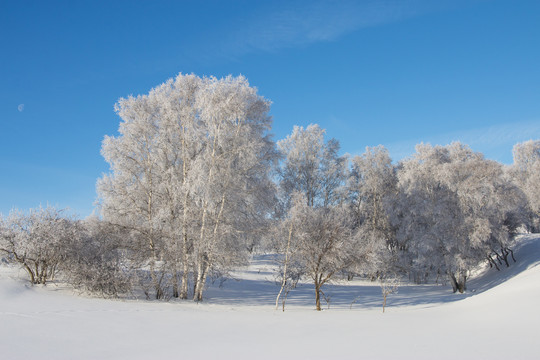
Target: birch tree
(39,241)
(132,194)
(319,244)
(312,166)
(189,175)
(372,188)
(233,187)
(95,261)
(181,135)
(526,173)
(455,210)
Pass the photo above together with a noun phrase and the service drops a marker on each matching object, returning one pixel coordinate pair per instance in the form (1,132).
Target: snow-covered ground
(498,318)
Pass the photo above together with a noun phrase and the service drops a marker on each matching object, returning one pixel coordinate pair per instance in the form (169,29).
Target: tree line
(196,184)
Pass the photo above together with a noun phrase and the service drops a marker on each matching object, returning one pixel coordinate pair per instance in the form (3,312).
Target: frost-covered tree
(321,243)
(190,174)
(372,188)
(180,134)
(389,283)
(233,183)
(455,209)
(38,240)
(95,260)
(372,184)
(526,173)
(312,166)
(132,194)
(316,237)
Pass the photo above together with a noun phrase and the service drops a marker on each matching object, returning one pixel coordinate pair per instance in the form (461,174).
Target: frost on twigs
(454,209)
(39,241)
(316,241)
(189,181)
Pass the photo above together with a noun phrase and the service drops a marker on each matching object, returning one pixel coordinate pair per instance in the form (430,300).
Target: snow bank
(496,319)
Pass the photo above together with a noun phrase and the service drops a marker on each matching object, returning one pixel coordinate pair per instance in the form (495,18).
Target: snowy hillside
(497,318)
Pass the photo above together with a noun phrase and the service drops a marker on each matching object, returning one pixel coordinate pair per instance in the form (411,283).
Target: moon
(20,107)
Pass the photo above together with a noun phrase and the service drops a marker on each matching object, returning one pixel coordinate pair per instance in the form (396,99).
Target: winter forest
(197,185)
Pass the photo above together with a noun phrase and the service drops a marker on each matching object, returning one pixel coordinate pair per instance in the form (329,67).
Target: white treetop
(189,172)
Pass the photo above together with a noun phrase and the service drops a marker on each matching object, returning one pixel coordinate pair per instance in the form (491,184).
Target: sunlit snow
(497,318)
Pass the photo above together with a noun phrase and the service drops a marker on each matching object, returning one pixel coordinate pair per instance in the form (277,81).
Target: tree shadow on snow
(256,286)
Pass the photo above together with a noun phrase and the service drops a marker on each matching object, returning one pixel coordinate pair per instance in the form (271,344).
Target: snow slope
(498,318)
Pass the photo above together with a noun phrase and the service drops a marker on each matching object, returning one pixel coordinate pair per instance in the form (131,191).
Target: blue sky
(371,72)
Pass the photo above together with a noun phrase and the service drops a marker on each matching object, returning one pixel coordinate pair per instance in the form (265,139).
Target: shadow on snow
(256,286)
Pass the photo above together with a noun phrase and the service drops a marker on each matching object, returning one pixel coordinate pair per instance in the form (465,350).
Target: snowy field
(497,318)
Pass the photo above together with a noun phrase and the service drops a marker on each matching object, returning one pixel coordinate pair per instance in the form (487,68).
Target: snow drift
(496,318)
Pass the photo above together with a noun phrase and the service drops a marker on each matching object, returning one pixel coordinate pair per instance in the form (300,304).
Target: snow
(497,318)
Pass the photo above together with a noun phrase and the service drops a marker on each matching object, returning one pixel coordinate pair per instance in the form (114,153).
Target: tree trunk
(198,281)
(31,273)
(284,280)
(202,272)
(462,284)
(459,283)
(184,282)
(195,277)
(453,281)
(176,293)
(185,256)
(504,255)
(185,269)
(317,296)
(492,263)
(156,283)
(201,281)
(208,258)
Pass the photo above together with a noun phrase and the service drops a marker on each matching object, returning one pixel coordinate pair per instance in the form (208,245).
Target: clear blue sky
(370,72)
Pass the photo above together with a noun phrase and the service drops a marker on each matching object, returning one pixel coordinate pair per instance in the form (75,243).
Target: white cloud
(312,22)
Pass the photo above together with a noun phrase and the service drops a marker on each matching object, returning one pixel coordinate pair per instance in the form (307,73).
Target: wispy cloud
(315,21)
(495,141)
